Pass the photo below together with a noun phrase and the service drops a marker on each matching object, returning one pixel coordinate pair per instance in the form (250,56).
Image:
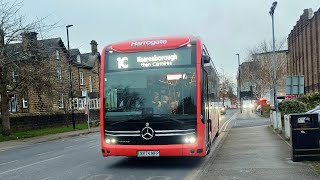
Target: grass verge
(42,132)
(315,165)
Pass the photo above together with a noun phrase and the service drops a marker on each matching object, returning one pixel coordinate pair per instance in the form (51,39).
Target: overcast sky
(226,26)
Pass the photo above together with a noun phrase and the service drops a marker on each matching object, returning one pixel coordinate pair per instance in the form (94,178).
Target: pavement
(80,157)
(251,150)
(6,145)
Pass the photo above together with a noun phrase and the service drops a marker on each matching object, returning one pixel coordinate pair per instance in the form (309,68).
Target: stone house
(85,77)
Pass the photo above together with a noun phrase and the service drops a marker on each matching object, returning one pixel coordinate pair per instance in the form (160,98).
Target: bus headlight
(190,140)
(111,141)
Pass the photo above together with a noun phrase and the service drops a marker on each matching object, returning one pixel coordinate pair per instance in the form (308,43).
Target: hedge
(291,107)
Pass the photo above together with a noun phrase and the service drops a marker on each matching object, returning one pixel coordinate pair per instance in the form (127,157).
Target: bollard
(274,117)
(271,118)
(287,126)
(279,122)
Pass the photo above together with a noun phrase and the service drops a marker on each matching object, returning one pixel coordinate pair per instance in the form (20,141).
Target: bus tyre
(217,134)
(208,149)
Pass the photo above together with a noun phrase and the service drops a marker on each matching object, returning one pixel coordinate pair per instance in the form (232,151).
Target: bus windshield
(167,91)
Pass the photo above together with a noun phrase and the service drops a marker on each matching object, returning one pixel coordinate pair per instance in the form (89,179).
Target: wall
(304,49)
(41,121)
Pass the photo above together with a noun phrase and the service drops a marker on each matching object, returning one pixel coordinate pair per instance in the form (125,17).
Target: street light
(271,12)
(239,86)
(70,75)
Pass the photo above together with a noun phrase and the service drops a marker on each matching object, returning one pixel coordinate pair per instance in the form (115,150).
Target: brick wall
(304,49)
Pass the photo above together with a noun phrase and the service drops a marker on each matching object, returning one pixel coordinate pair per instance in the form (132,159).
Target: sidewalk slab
(23,142)
(256,153)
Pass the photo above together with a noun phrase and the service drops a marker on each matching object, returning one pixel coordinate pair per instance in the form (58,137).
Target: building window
(75,103)
(90,81)
(13,104)
(57,54)
(59,73)
(24,103)
(70,77)
(14,75)
(81,78)
(81,103)
(61,101)
(94,103)
(79,59)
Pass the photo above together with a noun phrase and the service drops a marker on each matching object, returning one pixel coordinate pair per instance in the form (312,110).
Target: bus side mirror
(206,59)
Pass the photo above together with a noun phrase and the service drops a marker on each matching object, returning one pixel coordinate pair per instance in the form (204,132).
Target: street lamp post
(271,12)
(70,76)
(239,82)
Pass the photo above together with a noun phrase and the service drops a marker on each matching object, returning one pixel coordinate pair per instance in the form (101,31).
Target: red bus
(156,98)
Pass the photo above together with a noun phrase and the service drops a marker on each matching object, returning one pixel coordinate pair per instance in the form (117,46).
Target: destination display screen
(151,59)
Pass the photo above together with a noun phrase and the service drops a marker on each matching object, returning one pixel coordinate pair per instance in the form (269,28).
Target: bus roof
(149,44)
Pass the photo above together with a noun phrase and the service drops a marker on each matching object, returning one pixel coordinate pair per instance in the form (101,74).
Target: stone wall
(25,122)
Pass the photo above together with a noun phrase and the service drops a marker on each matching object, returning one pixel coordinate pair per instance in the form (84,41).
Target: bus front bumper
(161,150)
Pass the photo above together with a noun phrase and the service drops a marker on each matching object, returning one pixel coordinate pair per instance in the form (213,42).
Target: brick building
(85,78)
(304,49)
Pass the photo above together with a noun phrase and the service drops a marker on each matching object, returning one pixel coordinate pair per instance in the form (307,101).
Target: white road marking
(44,153)
(69,147)
(93,146)
(225,128)
(11,170)
(225,124)
(8,162)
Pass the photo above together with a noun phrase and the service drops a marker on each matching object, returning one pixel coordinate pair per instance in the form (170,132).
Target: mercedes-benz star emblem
(147,132)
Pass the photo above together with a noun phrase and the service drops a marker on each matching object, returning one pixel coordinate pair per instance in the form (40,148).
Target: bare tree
(227,86)
(25,66)
(258,67)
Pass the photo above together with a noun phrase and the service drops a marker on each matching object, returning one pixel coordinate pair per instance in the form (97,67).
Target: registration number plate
(148,153)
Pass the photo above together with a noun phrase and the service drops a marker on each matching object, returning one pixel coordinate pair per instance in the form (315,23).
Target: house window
(13,104)
(14,75)
(90,81)
(94,103)
(70,75)
(61,101)
(81,78)
(24,103)
(59,73)
(75,103)
(78,59)
(57,54)
(81,103)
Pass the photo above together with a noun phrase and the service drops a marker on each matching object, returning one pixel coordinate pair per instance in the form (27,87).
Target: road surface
(80,158)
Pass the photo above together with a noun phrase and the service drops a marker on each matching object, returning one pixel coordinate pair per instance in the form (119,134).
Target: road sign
(295,85)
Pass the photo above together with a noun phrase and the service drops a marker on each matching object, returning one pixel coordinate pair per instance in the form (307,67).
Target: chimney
(29,40)
(94,47)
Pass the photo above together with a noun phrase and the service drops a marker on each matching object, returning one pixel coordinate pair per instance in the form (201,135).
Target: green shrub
(291,107)
(311,100)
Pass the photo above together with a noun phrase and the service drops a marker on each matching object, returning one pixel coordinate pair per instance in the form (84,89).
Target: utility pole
(274,60)
(70,75)
(239,82)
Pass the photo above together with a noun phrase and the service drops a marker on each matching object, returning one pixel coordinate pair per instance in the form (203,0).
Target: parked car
(223,110)
(315,110)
